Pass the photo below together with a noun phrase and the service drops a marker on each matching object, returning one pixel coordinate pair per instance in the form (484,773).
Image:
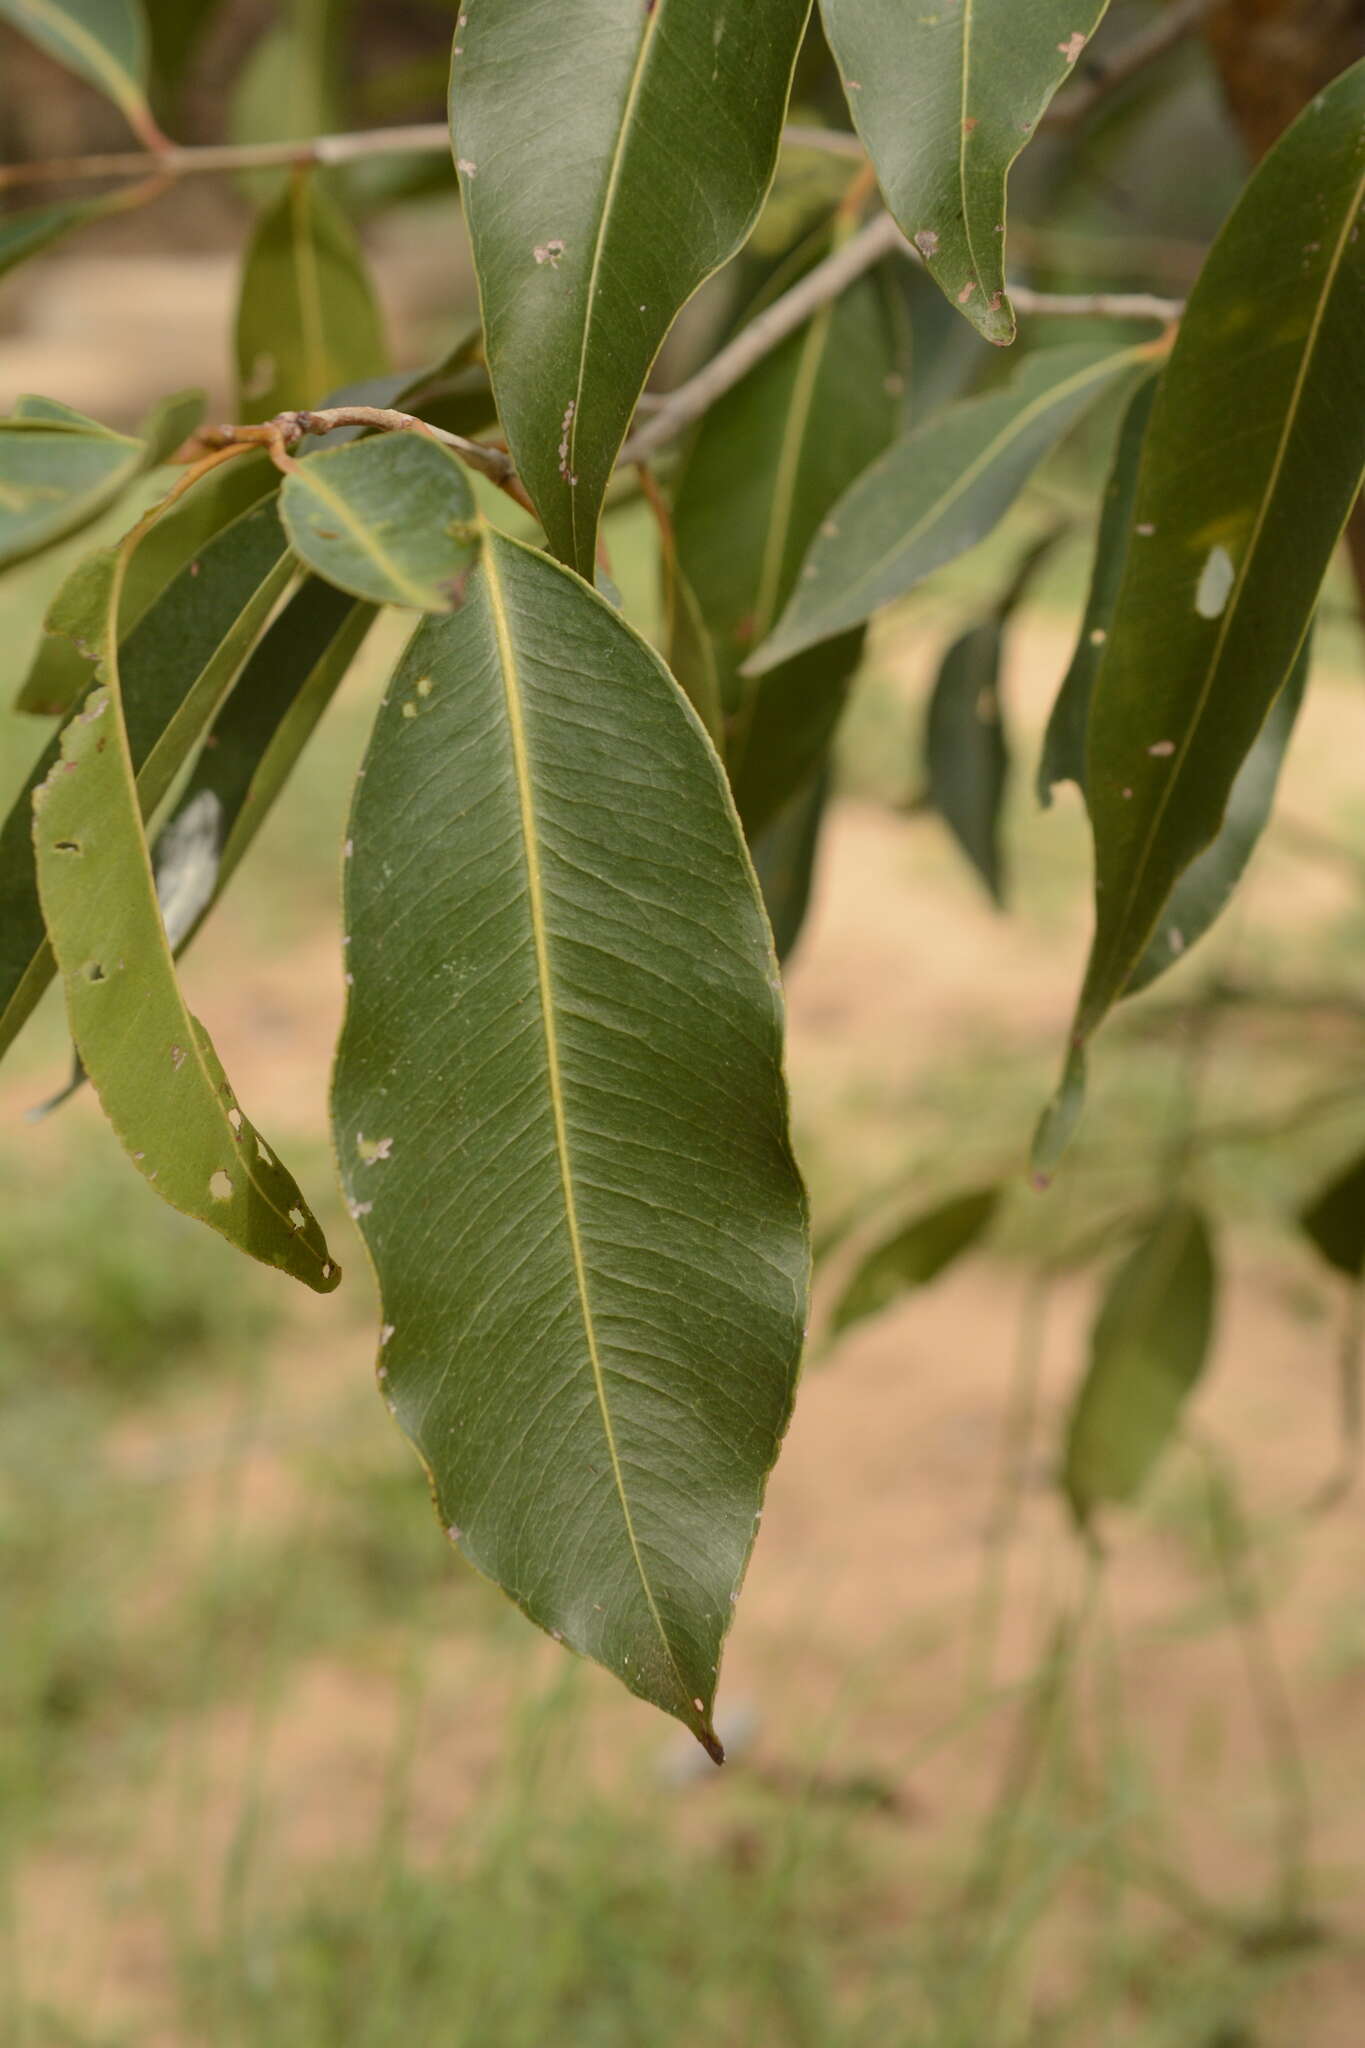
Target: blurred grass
(212,1540)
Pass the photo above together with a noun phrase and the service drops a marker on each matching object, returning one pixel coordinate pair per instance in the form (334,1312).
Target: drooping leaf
(612,155)
(1147,1352)
(966,754)
(307,319)
(55,478)
(291,85)
(914,1254)
(945,97)
(175,666)
(1335,1220)
(102,41)
(784,852)
(561,1121)
(1204,890)
(1063,755)
(158,1078)
(936,492)
(766,465)
(61,672)
(390,519)
(292,675)
(1229,550)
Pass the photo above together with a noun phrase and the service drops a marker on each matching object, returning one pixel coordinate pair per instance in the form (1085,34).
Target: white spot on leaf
(1215,584)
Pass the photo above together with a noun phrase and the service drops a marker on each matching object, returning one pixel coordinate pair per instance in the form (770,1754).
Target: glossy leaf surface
(966,755)
(945,97)
(562,1124)
(174,667)
(1253,459)
(936,492)
(158,1078)
(1063,755)
(102,41)
(307,320)
(1147,1352)
(915,1253)
(390,519)
(611,156)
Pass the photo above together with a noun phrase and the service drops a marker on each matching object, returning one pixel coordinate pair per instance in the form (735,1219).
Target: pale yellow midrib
(968,8)
(608,202)
(366,539)
(536,899)
(789,462)
(123,86)
(312,320)
(1235,597)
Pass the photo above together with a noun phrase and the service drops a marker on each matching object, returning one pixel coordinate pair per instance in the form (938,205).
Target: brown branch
(280,435)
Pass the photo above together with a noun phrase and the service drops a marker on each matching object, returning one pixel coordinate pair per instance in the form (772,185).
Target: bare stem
(283,433)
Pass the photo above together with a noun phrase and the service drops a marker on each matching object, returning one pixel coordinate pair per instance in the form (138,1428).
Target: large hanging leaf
(102,41)
(158,1078)
(174,669)
(915,1253)
(766,465)
(611,156)
(561,1121)
(1205,889)
(1147,1352)
(291,85)
(307,319)
(1267,383)
(945,97)
(1063,755)
(390,519)
(936,492)
(966,754)
(61,672)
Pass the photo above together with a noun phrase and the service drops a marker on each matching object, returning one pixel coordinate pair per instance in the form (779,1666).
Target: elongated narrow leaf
(966,754)
(291,84)
(766,465)
(1063,755)
(390,519)
(61,672)
(1335,1220)
(102,41)
(28,233)
(611,156)
(291,677)
(784,853)
(915,1253)
(174,668)
(1147,1352)
(158,1078)
(945,97)
(1205,889)
(307,320)
(561,1122)
(936,492)
(1267,384)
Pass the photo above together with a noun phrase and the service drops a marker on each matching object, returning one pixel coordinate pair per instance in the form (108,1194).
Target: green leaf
(1063,755)
(158,1078)
(915,1253)
(766,464)
(612,155)
(288,682)
(1335,1220)
(307,320)
(945,97)
(55,478)
(390,519)
(1147,1353)
(965,751)
(562,1124)
(1229,550)
(28,233)
(175,667)
(1205,889)
(102,41)
(936,492)
(61,672)
(291,86)
(784,852)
